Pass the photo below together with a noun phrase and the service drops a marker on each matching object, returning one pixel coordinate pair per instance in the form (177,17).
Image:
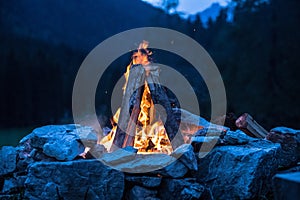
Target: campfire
(147,127)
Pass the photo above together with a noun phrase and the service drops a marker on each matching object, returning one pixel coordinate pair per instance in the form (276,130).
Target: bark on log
(131,128)
(135,80)
(159,96)
(247,124)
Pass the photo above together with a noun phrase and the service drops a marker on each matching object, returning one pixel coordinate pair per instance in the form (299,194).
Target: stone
(237,137)
(8,160)
(96,151)
(185,154)
(145,181)
(204,144)
(289,139)
(136,163)
(184,189)
(154,164)
(13,185)
(140,193)
(286,186)
(211,131)
(292,169)
(10,196)
(117,157)
(285,130)
(80,179)
(63,149)
(63,142)
(174,170)
(87,135)
(244,170)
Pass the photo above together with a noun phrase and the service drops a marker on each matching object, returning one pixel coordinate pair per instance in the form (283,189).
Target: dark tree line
(257,55)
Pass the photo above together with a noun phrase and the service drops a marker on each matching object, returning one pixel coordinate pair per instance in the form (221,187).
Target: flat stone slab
(82,179)
(144,163)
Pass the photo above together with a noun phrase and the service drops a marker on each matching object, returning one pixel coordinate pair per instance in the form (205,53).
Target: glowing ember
(150,134)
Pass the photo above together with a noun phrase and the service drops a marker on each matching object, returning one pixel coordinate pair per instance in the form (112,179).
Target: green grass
(12,136)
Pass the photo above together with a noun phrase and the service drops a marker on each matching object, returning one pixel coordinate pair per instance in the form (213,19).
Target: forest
(43,43)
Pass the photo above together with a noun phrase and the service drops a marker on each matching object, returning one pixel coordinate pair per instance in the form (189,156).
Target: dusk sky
(193,6)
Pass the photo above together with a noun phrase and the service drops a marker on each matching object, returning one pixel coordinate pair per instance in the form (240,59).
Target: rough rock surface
(14,185)
(289,140)
(140,193)
(184,189)
(237,137)
(63,142)
(145,181)
(8,160)
(238,167)
(205,139)
(287,186)
(185,154)
(117,157)
(244,170)
(174,170)
(83,179)
(96,151)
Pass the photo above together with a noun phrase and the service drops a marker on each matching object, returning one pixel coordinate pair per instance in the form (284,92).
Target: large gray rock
(184,189)
(240,172)
(289,139)
(174,170)
(117,157)
(237,137)
(8,160)
(63,142)
(145,181)
(140,193)
(82,179)
(14,185)
(185,154)
(133,163)
(205,139)
(162,164)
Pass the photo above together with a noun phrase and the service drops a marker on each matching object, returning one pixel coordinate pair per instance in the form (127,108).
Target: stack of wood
(131,101)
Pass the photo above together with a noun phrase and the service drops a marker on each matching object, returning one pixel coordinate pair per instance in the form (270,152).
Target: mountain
(211,12)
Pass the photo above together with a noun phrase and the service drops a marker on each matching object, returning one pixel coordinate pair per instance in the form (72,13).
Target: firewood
(135,80)
(129,137)
(159,96)
(126,127)
(247,124)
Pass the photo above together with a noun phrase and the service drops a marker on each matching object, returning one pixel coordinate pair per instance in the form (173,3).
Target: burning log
(139,123)
(247,124)
(159,96)
(127,122)
(127,125)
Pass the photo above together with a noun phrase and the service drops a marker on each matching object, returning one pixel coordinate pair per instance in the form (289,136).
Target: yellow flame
(150,134)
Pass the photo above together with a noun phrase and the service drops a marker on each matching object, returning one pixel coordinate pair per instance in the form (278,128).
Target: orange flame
(150,134)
